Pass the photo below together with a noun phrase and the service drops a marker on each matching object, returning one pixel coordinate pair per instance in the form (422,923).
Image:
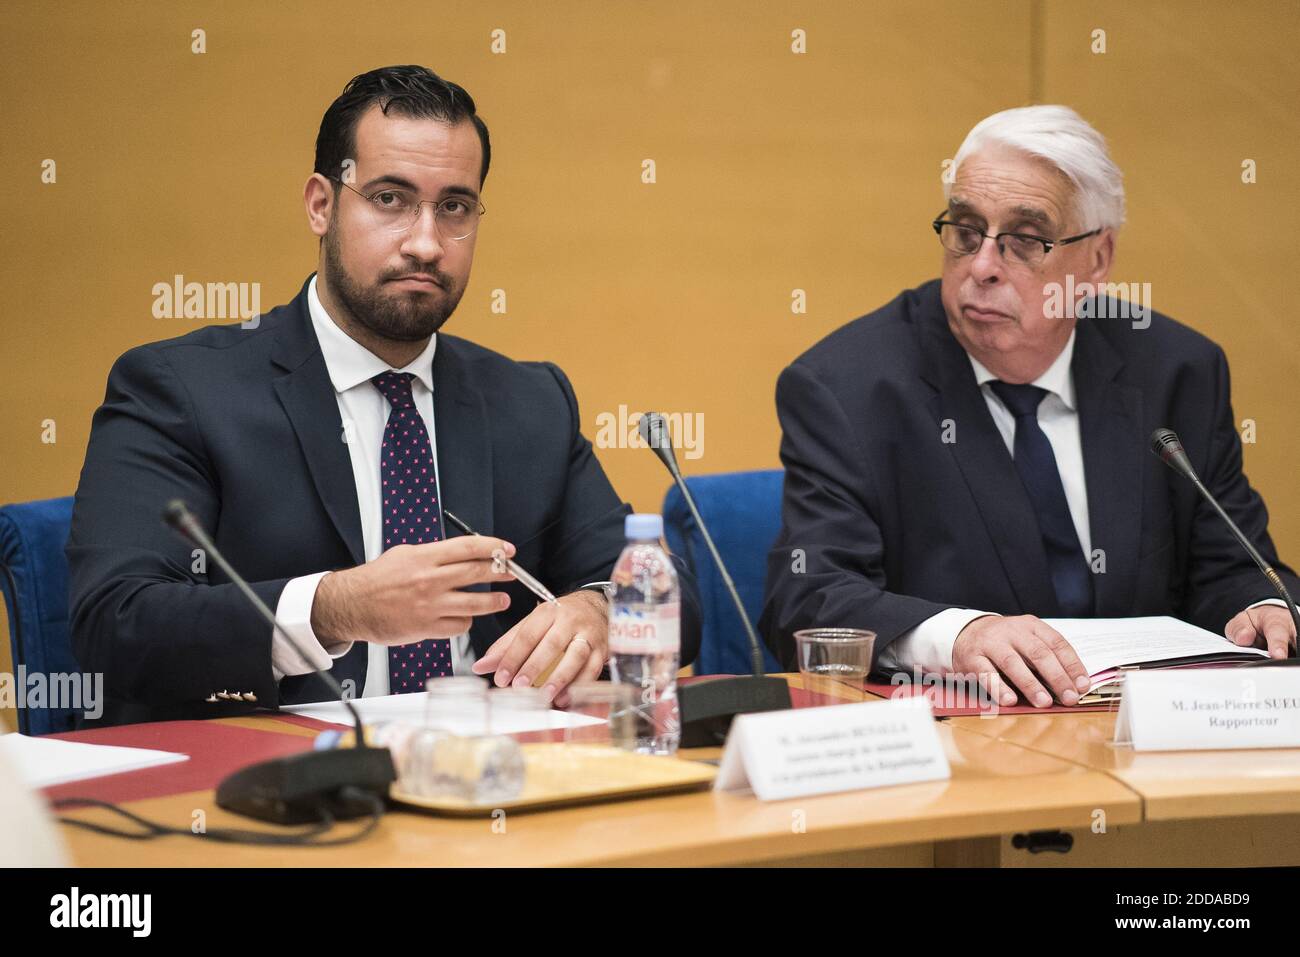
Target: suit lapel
(988,469)
(308,399)
(464,455)
(1110,431)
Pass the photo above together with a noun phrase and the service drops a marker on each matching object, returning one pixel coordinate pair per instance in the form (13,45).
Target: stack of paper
(1108,647)
(45,762)
(412,707)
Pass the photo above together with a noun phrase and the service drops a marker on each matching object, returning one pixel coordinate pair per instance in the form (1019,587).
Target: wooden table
(1012,776)
(996,787)
(1225,808)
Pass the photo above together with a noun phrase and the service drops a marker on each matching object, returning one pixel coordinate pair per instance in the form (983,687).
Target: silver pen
(528,581)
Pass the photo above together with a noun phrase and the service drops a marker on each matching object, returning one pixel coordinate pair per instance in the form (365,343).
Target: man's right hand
(999,649)
(411,592)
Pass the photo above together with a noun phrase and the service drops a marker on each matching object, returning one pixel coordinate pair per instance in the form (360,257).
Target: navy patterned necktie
(409,491)
(1071,578)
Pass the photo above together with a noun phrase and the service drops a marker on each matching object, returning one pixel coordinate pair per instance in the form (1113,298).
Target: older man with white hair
(971,457)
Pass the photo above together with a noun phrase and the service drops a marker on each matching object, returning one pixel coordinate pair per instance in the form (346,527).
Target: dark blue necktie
(411,517)
(1036,464)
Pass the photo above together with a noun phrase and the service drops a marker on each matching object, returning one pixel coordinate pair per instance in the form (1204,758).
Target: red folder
(953,702)
(215,749)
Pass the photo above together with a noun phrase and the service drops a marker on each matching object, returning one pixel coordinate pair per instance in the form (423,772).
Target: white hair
(1067,141)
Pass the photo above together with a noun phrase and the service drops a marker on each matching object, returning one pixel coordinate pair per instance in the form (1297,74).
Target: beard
(391,314)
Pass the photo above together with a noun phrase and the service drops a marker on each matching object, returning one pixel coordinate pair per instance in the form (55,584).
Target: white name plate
(785,754)
(1210,709)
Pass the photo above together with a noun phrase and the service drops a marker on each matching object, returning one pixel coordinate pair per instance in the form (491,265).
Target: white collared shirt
(1058,417)
(928,646)
(364,412)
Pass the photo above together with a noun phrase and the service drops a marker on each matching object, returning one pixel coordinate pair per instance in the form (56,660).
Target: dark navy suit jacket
(901,498)
(243,425)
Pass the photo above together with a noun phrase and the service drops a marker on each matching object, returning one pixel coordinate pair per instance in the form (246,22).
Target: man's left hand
(573,634)
(1264,626)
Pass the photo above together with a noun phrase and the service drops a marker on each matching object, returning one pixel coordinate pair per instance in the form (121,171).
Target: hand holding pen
(558,642)
(529,582)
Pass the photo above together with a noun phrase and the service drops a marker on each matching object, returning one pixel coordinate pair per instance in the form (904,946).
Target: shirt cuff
(928,646)
(1269,601)
(293,614)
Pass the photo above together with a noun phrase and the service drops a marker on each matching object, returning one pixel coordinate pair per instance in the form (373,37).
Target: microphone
(707,707)
(1169,449)
(654,429)
(340,783)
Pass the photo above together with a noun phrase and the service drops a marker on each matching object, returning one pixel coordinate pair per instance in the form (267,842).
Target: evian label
(635,631)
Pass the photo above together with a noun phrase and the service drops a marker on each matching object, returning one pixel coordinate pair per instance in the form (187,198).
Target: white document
(1104,644)
(786,754)
(411,708)
(1207,709)
(45,762)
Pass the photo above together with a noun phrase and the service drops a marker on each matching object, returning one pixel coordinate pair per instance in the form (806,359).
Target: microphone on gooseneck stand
(707,707)
(1169,449)
(312,787)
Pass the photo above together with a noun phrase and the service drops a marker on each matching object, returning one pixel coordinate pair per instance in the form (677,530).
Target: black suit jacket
(243,425)
(905,501)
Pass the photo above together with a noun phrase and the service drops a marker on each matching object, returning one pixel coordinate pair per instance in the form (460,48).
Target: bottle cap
(643,526)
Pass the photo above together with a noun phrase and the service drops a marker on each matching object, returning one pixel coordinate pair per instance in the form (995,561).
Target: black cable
(152,830)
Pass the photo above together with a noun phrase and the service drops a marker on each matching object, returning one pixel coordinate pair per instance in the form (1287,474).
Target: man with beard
(319,448)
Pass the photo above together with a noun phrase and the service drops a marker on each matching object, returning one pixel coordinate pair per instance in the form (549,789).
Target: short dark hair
(414,91)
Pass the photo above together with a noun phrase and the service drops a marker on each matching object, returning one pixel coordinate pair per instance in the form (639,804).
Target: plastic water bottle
(645,645)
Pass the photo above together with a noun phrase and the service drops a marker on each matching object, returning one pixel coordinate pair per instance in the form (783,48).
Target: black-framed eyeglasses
(1024,249)
(396,209)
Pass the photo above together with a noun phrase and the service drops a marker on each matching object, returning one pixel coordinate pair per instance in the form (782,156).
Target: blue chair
(34,579)
(743,512)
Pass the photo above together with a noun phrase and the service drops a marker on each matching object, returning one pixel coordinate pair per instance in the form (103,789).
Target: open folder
(1108,647)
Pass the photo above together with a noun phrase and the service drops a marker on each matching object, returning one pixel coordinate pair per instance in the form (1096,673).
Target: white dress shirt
(364,412)
(928,646)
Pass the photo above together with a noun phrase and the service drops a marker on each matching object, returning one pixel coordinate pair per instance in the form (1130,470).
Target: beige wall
(775,171)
